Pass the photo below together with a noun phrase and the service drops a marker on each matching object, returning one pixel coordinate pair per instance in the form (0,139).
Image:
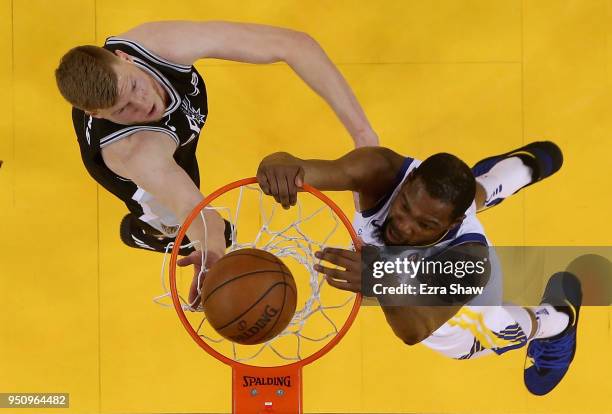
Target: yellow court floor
(470,77)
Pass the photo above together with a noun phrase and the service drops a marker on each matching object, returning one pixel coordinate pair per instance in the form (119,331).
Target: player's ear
(124,56)
(457,221)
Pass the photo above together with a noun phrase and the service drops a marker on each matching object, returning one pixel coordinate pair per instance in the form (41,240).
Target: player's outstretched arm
(413,324)
(369,171)
(185,42)
(146,158)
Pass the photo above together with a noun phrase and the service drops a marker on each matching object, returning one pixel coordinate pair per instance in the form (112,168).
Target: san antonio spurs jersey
(182,122)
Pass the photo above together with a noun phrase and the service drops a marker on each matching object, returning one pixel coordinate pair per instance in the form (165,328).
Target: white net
(293,235)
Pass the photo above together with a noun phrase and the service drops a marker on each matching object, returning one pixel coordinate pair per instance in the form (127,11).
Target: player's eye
(425,226)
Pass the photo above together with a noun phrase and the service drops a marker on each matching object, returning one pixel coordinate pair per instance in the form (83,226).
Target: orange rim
(174,257)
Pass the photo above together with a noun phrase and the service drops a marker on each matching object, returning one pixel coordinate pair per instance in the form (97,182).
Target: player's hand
(195,289)
(347,279)
(280,179)
(195,259)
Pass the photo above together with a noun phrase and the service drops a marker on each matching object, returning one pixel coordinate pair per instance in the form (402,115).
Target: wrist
(365,138)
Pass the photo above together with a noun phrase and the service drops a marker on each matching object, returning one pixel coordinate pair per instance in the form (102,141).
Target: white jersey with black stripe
(455,337)
(368,221)
(182,121)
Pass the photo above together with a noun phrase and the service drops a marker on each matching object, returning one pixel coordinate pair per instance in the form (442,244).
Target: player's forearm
(209,230)
(402,322)
(413,324)
(326,175)
(311,64)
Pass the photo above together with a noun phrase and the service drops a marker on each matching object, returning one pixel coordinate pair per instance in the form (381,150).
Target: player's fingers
(335,273)
(353,287)
(262,179)
(337,257)
(349,254)
(291,190)
(194,296)
(297,183)
(283,190)
(347,276)
(279,183)
(336,283)
(185,261)
(339,284)
(293,196)
(195,258)
(273,185)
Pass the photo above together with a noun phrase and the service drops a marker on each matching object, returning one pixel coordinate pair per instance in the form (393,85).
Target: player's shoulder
(141,143)
(378,172)
(98,133)
(142,148)
(154,39)
(376,162)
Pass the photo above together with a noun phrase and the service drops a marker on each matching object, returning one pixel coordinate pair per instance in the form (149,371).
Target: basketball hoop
(273,388)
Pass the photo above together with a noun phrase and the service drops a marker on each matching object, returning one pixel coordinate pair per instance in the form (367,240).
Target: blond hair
(86,79)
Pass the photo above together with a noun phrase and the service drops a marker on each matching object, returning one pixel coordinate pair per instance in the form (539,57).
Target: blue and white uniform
(476,329)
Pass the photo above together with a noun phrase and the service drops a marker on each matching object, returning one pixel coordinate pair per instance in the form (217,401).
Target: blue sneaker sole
(562,287)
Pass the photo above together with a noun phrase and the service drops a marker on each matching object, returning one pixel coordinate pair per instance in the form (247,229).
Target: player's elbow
(305,39)
(412,339)
(410,336)
(298,44)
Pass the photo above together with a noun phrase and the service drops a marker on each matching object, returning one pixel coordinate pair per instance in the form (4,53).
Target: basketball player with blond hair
(139,106)
(430,205)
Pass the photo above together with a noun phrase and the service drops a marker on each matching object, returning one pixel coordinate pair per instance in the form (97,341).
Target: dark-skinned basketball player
(406,202)
(139,106)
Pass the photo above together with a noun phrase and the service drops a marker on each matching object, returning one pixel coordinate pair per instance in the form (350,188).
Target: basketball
(249,296)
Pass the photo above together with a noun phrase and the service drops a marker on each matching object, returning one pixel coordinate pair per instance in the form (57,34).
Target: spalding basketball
(249,296)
